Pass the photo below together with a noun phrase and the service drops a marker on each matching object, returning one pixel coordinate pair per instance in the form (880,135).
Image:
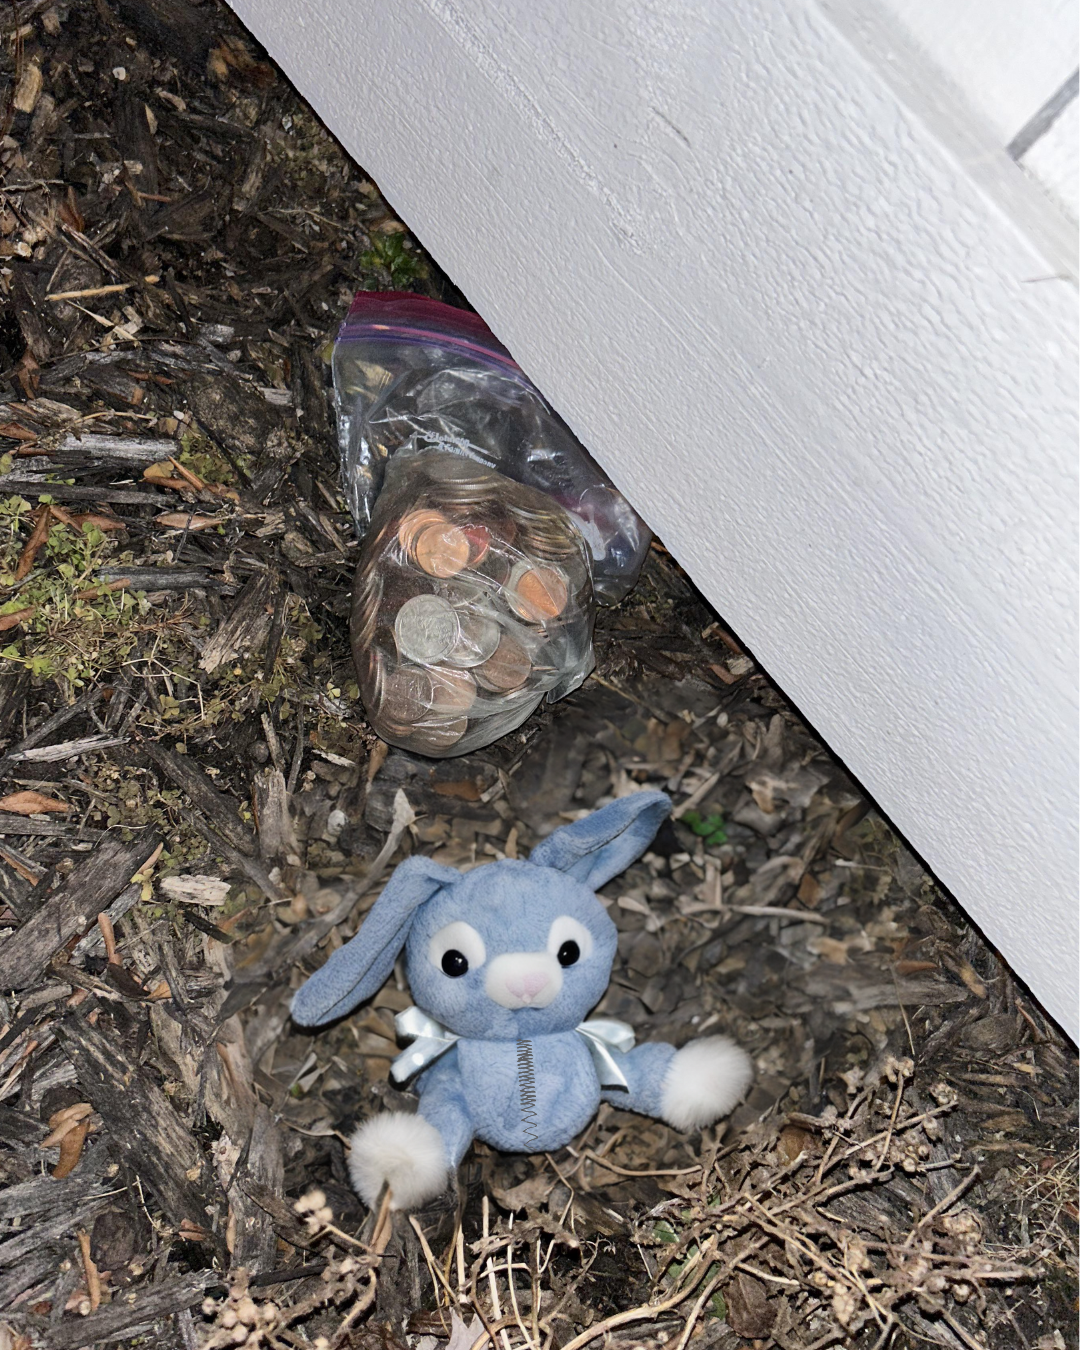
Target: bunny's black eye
(454,964)
(569,952)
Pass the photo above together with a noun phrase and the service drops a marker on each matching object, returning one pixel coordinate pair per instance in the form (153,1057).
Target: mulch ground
(195,813)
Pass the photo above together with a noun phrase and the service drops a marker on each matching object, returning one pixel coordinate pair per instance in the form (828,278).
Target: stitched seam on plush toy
(527,1086)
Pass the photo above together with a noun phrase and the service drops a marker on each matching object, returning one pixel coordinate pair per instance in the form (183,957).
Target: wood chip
(143,1124)
(71,909)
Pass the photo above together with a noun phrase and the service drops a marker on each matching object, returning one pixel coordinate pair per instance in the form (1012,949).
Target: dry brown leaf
(102,522)
(915,967)
(17,433)
(33,546)
(161,475)
(31,803)
(185,520)
(968,974)
(71,1147)
(70,214)
(61,1123)
(13,620)
(27,372)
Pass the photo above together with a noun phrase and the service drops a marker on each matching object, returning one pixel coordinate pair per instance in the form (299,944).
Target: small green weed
(710,828)
(390,257)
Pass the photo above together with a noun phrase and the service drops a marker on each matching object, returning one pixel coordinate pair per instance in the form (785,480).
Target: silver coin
(426,628)
(451,468)
(478,637)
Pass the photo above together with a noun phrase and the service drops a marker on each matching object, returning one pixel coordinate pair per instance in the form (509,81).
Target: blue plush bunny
(504,963)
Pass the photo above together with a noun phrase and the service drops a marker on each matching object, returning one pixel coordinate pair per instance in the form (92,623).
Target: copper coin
(452,691)
(537,593)
(406,697)
(413,525)
(479,537)
(436,735)
(508,668)
(442,550)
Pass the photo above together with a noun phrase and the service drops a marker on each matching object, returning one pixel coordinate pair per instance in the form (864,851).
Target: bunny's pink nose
(527,986)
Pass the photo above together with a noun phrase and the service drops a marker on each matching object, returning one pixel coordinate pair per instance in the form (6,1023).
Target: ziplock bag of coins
(487,529)
(412,375)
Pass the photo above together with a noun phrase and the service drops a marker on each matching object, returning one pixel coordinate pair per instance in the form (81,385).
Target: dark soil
(194,807)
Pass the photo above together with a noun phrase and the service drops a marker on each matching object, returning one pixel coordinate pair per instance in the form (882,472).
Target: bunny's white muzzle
(523,980)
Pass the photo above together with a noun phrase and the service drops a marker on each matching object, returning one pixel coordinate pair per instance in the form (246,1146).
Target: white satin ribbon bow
(430,1039)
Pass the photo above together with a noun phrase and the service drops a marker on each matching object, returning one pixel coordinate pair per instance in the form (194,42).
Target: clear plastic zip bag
(488,531)
(413,375)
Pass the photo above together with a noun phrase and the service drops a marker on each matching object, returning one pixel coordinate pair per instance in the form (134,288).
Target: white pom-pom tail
(705,1080)
(404,1150)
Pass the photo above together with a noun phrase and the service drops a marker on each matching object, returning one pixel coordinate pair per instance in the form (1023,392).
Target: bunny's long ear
(357,970)
(598,847)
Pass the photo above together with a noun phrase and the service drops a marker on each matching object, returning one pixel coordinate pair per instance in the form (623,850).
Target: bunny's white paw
(704,1081)
(404,1150)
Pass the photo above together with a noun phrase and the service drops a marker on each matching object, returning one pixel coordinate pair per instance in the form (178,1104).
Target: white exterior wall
(818,326)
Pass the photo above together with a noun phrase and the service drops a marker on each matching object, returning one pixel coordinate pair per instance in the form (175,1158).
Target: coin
(406,697)
(506,669)
(414,523)
(436,735)
(537,593)
(442,550)
(452,691)
(479,537)
(448,468)
(463,592)
(496,565)
(478,639)
(426,628)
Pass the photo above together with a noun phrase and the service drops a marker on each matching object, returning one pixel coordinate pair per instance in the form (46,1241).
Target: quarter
(477,640)
(426,628)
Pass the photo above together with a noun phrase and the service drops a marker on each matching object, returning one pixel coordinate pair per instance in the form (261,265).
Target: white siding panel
(1054,159)
(1007,56)
(826,364)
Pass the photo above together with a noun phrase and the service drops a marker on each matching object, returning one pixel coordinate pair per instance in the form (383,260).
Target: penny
(507,668)
(452,691)
(439,734)
(479,537)
(478,639)
(442,550)
(426,628)
(414,523)
(406,697)
(537,593)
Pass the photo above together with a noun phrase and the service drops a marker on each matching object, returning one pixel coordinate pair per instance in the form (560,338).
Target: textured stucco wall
(812,347)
